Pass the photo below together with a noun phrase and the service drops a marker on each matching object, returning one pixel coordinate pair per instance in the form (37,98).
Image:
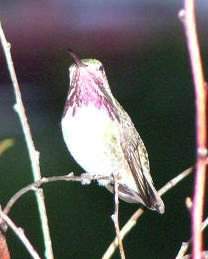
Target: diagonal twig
(185,245)
(20,233)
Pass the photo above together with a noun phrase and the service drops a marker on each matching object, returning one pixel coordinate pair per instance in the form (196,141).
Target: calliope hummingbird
(101,137)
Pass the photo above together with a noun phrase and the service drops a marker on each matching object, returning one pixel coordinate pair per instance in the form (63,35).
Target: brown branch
(4,250)
(33,153)
(188,17)
(134,218)
(20,233)
(115,218)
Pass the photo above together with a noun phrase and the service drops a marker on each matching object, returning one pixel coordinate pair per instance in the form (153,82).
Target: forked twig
(84,178)
(134,218)
(34,186)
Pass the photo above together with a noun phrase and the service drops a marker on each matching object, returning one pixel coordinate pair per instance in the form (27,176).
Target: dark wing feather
(136,155)
(131,155)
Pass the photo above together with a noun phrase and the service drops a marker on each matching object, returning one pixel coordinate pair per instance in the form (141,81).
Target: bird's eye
(101,68)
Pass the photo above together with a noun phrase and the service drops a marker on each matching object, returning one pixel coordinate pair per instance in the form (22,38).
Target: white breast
(88,136)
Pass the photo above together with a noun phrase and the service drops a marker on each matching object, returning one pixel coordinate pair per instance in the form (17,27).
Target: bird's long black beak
(76,59)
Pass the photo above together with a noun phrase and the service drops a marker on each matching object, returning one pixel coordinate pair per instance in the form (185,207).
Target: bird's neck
(89,91)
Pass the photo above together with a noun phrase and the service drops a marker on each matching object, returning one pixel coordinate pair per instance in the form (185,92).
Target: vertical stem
(201,130)
(116,220)
(33,153)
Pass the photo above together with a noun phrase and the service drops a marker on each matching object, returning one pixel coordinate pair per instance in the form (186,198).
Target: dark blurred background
(142,46)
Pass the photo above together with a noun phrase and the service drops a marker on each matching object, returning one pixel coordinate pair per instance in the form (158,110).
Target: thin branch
(83,178)
(173,182)
(185,245)
(33,154)
(188,18)
(203,255)
(134,218)
(183,250)
(204,224)
(115,218)
(20,233)
(34,186)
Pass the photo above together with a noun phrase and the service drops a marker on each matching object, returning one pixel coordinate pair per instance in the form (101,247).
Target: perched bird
(101,137)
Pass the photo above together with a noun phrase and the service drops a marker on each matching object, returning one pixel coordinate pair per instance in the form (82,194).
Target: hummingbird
(102,138)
